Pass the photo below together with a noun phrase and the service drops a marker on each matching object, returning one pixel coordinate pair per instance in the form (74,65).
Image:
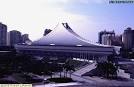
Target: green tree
(107,69)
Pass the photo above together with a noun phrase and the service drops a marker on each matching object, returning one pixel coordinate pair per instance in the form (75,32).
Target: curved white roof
(65,36)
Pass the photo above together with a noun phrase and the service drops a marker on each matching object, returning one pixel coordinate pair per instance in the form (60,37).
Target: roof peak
(64,35)
(66,26)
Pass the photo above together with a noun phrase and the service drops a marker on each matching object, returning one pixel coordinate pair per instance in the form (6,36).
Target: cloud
(33,16)
(67,2)
(78,1)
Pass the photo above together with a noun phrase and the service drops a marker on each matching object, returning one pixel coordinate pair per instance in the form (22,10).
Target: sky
(86,17)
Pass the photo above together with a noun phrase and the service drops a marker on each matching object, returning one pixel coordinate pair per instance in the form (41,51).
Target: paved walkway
(87,81)
(98,82)
(84,70)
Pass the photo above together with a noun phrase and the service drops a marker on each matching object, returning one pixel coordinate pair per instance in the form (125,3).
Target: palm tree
(71,69)
(60,68)
(68,68)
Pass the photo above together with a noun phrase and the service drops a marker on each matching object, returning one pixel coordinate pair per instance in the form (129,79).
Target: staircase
(85,69)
